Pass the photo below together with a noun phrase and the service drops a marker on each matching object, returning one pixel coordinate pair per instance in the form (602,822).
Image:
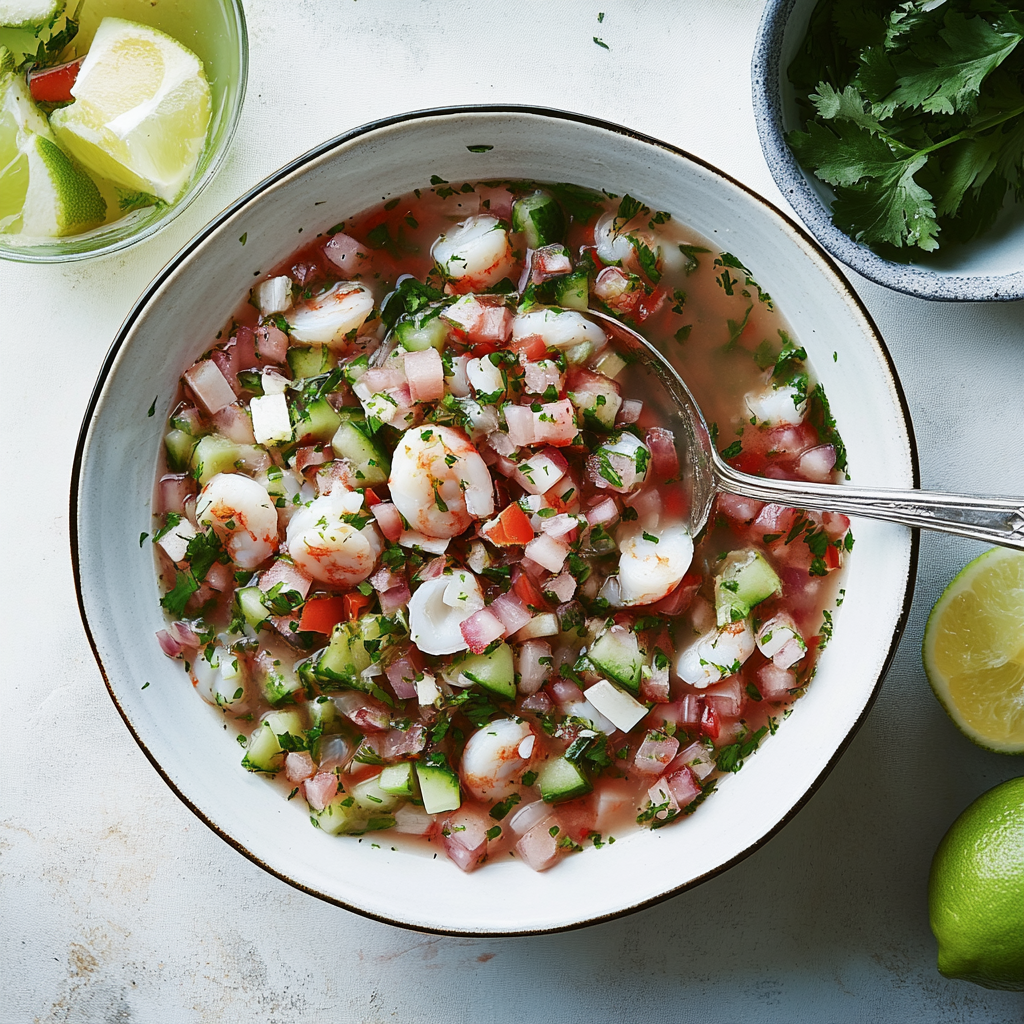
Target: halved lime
(42,192)
(141,110)
(973,650)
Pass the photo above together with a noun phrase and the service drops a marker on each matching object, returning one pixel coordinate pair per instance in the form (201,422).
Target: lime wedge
(29,13)
(141,110)
(974,650)
(42,192)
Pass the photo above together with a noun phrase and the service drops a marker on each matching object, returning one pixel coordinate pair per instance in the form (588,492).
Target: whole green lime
(976,891)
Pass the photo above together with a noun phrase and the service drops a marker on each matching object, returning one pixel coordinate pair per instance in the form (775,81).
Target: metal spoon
(995,520)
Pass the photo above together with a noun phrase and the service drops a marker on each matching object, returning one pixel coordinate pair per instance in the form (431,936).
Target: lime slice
(141,110)
(976,891)
(29,13)
(42,192)
(974,650)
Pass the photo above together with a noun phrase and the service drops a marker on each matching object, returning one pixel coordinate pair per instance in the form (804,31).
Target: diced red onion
(539,702)
(369,714)
(562,586)
(690,710)
(603,513)
(298,766)
(481,629)
(537,475)
(399,743)
(566,692)
(664,457)
(696,757)
(629,412)
(315,455)
(425,373)
(555,423)
(234,423)
(817,463)
(511,611)
(389,519)
(521,425)
(501,443)
(220,577)
(656,687)
(548,552)
(726,697)
(654,754)
(184,634)
(288,574)
(209,385)
(395,598)
(320,790)
(271,344)
(433,568)
(774,683)
(538,377)
(385,578)
(683,786)
(465,837)
(168,644)
(532,672)
(175,488)
(538,849)
(346,254)
(528,815)
(738,509)
(836,525)
(402,675)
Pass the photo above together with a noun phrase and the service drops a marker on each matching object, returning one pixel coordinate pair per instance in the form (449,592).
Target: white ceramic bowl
(190,301)
(988,268)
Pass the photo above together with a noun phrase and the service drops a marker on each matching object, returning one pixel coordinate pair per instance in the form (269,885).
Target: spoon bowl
(992,519)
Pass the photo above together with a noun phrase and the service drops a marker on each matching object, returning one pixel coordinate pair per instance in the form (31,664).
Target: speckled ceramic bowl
(988,268)
(190,301)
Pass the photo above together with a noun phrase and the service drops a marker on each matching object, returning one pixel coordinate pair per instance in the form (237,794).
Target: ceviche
(422,535)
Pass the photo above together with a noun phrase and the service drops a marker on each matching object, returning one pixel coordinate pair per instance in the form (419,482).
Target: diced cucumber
(611,364)
(345,656)
(371,796)
(214,454)
(494,671)
(579,354)
(370,466)
(597,409)
(264,752)
(539,217)
(316,422)
(398,779)
(308,362)
(323,714)
(417,333)
(745,579)
(250,604)
(179,449)
(280,684)
(342,814)
(439,788)
(617,655)
(573,290)
(560,780)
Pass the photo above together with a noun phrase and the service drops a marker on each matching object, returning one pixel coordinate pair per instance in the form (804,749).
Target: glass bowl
(215,30)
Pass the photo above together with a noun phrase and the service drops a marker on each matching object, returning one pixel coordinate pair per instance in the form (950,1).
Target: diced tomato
(532,347)
(371,497)
(832,559)
(749,462)
(527,592)
(511,527)
(322,614)
(53,85)
(355,604)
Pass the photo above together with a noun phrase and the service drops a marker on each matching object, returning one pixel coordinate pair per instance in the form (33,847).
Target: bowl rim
(81,452)
(795,186)
(175,209)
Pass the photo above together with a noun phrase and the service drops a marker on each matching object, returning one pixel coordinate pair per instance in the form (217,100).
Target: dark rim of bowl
(26,255)
(183,255)
(795,186)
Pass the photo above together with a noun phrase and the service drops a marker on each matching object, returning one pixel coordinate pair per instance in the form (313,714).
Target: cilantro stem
(993,122)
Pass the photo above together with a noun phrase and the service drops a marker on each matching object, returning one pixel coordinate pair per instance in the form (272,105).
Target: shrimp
(651,565)
(329,318)
(616,244)
(474,254)
(327,546)
(438,609)
(716,655)
(496,757)
(439,482)
(777,404)
(242,515)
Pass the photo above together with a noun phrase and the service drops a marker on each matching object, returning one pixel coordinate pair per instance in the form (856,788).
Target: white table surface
(120,906)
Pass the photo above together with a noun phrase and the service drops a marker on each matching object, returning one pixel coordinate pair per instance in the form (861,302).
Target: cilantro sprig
(914,115)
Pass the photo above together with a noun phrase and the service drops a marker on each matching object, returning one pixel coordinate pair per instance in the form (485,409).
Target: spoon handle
(995,520)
